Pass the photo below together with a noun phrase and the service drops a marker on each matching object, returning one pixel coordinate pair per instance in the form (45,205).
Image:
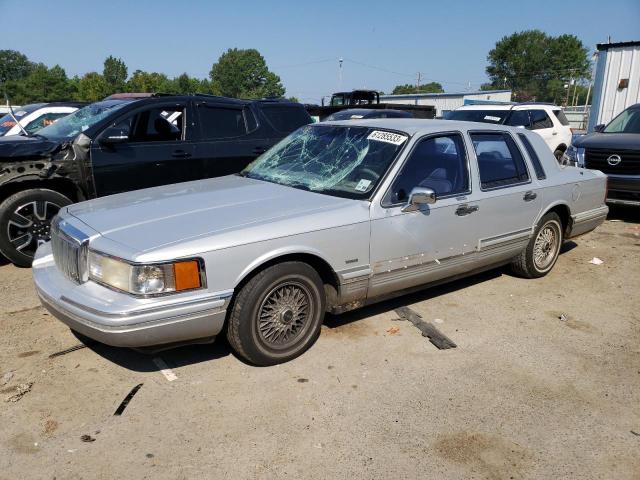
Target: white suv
(547,120)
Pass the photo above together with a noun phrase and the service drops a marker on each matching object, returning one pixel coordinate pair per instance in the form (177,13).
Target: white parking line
(165,370)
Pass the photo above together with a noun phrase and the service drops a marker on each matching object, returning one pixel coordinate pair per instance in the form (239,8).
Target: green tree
(149,82)
(92,87)
(115,74)
(534,64)
(244,74)
(13,65)
(433,87)
(42,84)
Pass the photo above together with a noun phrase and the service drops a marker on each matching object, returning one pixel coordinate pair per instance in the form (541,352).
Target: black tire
(265,332)
(537,260)
(25,221)
(559,153)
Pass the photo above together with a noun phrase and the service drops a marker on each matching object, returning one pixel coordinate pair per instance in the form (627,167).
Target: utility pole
(418,82)
(568,90)
(340,74)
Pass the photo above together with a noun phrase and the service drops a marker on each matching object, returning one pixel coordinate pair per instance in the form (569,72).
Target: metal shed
(617,81)
(444,102)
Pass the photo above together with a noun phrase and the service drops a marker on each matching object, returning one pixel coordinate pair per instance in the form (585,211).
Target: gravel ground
(543,384)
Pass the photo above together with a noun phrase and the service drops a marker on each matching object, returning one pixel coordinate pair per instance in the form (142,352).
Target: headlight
(141,279)
(574,156)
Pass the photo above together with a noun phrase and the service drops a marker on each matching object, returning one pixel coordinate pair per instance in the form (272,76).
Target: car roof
(507,106)
(155,98)
(412,126)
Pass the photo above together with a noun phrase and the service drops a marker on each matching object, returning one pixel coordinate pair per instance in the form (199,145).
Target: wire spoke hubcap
(284,314)
(30,225)
(546,246)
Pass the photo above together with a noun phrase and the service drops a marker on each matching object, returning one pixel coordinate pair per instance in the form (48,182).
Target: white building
(617,81)
(445,102)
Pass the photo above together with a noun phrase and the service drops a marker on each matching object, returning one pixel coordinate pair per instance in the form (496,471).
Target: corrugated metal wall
(615,64)
(448,101)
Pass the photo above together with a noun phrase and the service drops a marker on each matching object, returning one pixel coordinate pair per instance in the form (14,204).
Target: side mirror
(419,196)
(113,136)
(599,128)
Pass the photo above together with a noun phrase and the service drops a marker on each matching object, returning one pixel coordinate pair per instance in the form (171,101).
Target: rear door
(158,150)
(509,200)
(229,137)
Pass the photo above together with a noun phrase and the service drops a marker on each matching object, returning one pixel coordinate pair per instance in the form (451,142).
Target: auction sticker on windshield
(388,137)
(362,185)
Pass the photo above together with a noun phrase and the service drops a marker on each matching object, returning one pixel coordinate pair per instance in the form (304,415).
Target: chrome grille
(69,252)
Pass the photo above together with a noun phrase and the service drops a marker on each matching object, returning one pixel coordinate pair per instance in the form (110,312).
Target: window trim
(499,187)
(534,159)
(418,140)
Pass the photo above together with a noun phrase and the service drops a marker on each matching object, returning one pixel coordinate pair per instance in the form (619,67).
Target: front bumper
(624,190)
(121,320)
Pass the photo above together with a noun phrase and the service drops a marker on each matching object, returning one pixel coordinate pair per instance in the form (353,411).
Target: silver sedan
(336,216)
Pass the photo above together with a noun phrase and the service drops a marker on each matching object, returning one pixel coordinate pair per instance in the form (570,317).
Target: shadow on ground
(624,213)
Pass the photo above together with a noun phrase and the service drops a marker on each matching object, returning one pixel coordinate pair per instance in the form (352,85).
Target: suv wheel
(25,223)
(559,153)
(277,315)
(542,251)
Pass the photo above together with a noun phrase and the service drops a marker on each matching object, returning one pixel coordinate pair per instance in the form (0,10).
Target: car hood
(212,214)
(609,141)
(16,147)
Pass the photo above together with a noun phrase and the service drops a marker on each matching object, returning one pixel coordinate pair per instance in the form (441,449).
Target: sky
(382,43)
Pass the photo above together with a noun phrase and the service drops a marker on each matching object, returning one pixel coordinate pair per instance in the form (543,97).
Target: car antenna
(6,97)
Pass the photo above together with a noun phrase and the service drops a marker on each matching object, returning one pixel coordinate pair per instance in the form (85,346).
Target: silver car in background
(336,216)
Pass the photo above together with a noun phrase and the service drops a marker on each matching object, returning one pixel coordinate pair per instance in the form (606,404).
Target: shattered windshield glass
(335,160)
(71,125)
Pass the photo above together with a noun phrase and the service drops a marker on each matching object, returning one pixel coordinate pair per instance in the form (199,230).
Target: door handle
(529,196)
(465,209)
(554,133)
(180,154)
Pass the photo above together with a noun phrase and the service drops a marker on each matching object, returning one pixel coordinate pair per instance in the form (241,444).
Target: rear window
(500,162)
(537,165)
(484,116)
(221,122)
(562,118)
(286,118)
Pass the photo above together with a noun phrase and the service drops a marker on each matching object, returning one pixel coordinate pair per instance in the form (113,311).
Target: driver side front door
(410,248)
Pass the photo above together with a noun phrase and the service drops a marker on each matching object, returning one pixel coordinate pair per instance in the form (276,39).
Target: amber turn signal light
(187,275)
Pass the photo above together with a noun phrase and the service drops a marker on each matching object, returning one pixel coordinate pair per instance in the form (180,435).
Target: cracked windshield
(335,160)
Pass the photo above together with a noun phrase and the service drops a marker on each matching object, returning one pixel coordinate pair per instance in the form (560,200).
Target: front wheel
(542,251)
(277,315)
(25,222)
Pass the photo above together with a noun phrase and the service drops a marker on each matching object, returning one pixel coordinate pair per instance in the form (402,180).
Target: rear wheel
(277,315)
(559,153)
(542,251)
(25,223)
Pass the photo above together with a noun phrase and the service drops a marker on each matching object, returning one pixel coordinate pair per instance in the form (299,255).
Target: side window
(540,119)
(439,163)
(519,118)
(217,122)
(561,117)
(44,121)
(285,118)
(158,124)
(500,162)
(535,160)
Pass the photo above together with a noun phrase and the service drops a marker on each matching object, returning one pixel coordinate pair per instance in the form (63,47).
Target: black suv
(123,144)
(614,149)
